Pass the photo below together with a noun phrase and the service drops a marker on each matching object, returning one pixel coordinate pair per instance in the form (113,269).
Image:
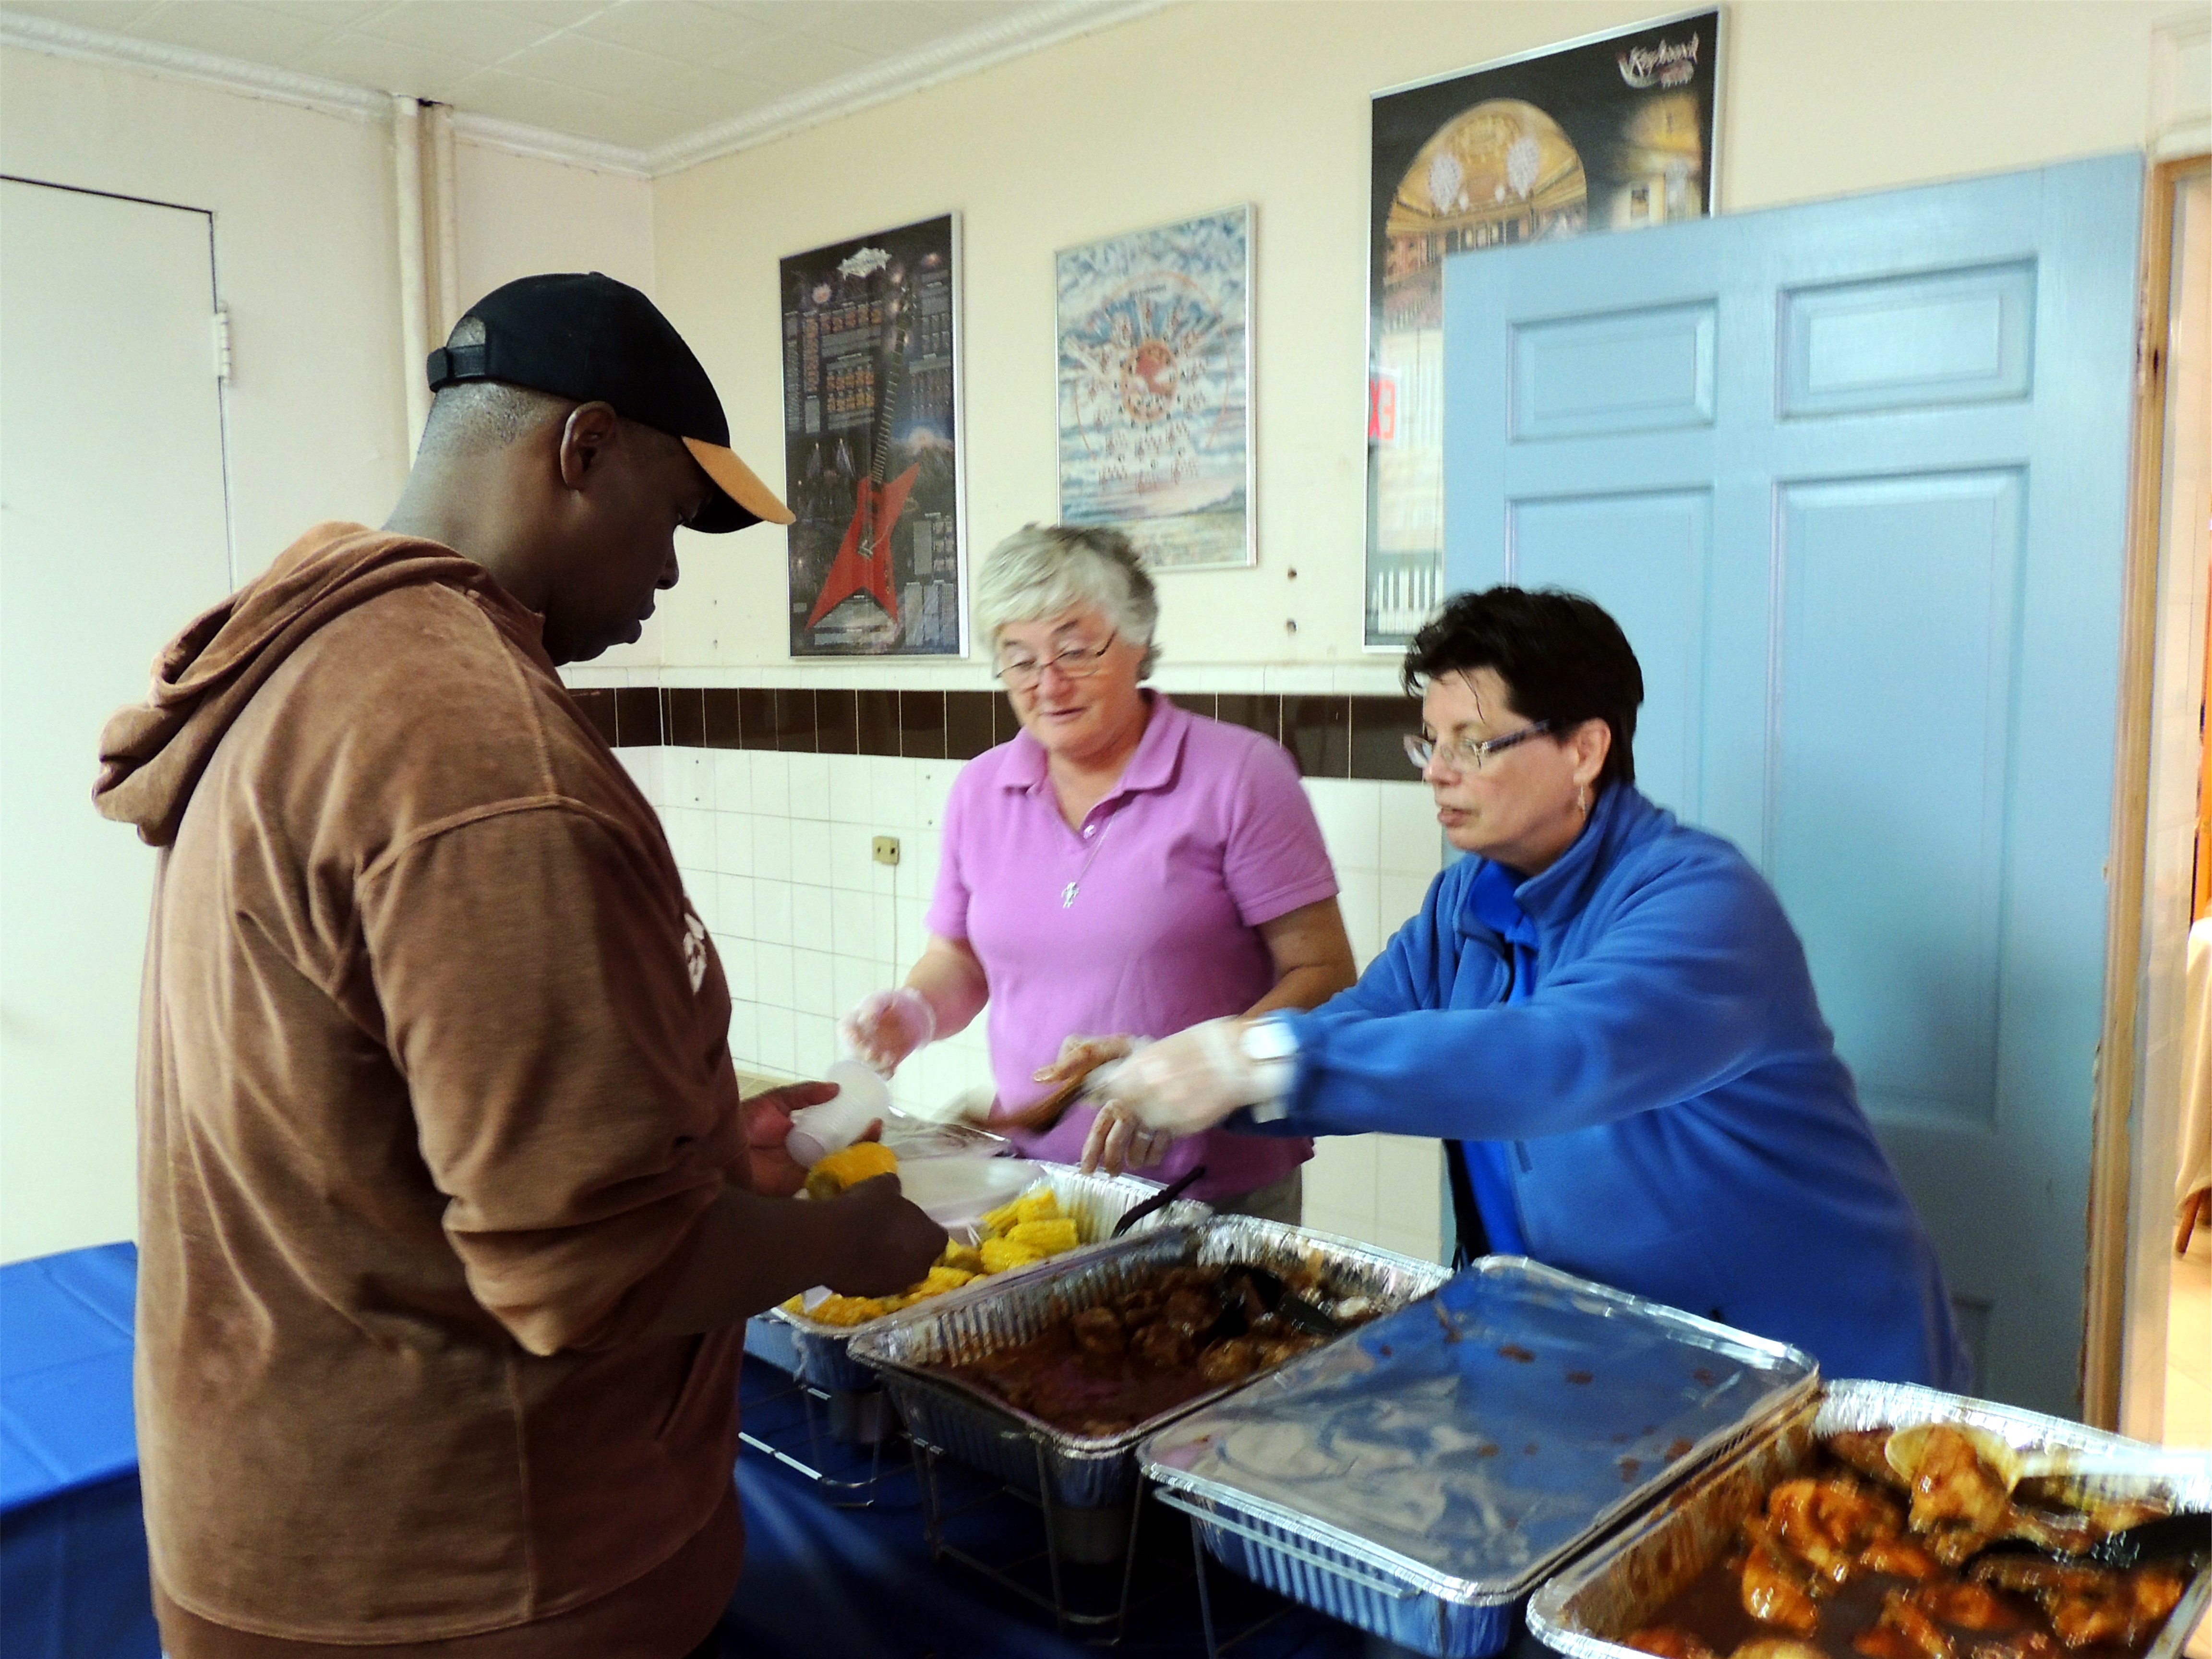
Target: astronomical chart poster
(1607,134)
(1156,389)
(871,445)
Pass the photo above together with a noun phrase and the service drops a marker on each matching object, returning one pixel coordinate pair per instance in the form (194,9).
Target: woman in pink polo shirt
(1121,867)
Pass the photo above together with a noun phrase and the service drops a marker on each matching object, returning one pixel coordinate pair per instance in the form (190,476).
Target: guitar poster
(1610,133)
(1156,389)
(871,445)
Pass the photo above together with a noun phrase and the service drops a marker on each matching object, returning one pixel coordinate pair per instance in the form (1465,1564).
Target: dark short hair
(1563,660)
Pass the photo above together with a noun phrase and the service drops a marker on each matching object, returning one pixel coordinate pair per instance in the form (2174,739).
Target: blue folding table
(73,1579)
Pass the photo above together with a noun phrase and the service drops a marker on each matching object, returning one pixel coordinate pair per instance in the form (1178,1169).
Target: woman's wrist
(1270,1046)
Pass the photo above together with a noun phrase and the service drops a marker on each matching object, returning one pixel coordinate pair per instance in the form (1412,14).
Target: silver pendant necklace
(1067,893)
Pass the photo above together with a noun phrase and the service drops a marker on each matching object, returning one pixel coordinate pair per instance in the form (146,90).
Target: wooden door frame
(2116,1108)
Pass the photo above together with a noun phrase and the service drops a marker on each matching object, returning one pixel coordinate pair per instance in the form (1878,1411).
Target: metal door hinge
(221,344)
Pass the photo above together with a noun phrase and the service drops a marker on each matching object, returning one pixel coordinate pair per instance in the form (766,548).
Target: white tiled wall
(776,850)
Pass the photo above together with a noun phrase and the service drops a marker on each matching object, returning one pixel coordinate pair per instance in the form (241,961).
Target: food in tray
(864,1160)
(1031,1229)
(1172,1335)
(1863,1559)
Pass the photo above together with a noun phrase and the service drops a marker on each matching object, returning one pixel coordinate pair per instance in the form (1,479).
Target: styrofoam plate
(956,1192)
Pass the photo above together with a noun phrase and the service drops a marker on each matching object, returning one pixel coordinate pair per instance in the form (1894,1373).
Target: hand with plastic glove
(1183,1084)
(887,1027)
(1080,1056)
(1118,1142)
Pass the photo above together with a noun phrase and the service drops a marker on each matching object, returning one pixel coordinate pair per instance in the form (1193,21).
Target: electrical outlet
(887,850)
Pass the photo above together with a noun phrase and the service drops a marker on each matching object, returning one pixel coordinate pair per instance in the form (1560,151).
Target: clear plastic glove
(1184,1084)
(1081,1056)
(1118,1142)
(887,1027)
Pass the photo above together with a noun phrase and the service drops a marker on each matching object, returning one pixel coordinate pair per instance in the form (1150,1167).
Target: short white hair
(1041,570)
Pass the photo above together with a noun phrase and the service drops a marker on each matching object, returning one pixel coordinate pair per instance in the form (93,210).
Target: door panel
(1852,476)
(1893,744)
(1896,343)
(1649,554)
(1583,377)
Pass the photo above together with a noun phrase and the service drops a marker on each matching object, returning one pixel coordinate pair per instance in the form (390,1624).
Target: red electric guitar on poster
(863,564)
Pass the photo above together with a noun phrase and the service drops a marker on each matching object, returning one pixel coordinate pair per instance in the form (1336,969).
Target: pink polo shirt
(1207,836)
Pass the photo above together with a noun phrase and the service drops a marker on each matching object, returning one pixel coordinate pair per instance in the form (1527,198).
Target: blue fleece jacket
(1682,1128)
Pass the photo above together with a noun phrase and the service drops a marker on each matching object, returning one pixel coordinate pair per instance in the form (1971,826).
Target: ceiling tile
(791,62)
(553,14)
(386,65)
(776,14)
(641,128)
(114,15)
(480,33)
(641,73)
(232,28)
(689,32)
(714,97)
(334,14)
(576,60)
(513,97)
(884,28)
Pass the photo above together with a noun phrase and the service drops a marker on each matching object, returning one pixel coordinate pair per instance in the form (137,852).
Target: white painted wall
(1208,104)
(1198,106)
(306,265)
(775,850)
(304,260)
(520,215)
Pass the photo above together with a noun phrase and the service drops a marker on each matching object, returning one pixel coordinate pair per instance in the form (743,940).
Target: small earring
(1582,797)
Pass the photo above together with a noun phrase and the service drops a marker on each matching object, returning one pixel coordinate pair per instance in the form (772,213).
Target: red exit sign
(1382,407)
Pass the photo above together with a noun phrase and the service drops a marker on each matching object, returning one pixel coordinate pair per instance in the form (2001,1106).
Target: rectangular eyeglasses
(1465,755)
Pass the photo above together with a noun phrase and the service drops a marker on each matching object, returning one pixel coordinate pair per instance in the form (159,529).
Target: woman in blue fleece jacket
(1607,1018)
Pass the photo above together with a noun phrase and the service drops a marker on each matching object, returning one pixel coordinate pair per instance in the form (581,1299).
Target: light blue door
(1853,478)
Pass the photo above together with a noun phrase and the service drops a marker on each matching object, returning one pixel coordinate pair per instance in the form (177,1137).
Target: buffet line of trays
(1433,1458)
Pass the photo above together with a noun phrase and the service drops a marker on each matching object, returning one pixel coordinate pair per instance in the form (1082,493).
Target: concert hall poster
(1612,133)
(870,444)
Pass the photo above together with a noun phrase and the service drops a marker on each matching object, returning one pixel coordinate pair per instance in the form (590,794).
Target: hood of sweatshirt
(153,754)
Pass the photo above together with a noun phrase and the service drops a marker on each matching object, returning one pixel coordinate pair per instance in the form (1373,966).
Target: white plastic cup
(862,1098)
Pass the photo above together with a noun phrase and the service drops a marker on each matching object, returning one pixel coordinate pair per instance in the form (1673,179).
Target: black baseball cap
(587,337)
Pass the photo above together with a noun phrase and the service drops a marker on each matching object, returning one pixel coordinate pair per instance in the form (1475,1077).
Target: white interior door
(1853,478)
(112,534)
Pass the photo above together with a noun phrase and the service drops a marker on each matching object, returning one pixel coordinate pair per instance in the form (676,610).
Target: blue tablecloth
(73,1582)
(818,1580)
(823,1580)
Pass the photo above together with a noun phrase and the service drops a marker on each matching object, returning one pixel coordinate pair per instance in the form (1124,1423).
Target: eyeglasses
(1462,755)
(1077,662)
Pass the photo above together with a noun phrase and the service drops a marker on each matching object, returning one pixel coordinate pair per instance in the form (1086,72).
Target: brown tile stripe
(1329,737)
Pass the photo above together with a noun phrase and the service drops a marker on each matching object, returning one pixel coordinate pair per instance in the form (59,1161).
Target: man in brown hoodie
(449,1213)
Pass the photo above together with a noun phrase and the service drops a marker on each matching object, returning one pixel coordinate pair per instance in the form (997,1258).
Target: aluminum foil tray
(1095,1202)
(773,1341)
(1617,1587)
(1420,1480)
(977,1427)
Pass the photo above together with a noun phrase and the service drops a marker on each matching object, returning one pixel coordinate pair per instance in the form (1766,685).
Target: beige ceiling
(641,73)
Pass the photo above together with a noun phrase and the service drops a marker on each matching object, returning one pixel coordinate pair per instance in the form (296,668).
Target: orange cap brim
(738,481)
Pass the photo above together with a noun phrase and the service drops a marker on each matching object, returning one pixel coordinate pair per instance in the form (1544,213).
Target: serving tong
(1265,1288)
(1159,1201)
(1046,1113)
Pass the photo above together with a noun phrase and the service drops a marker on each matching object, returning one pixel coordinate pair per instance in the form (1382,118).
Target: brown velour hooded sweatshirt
(434,1081)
